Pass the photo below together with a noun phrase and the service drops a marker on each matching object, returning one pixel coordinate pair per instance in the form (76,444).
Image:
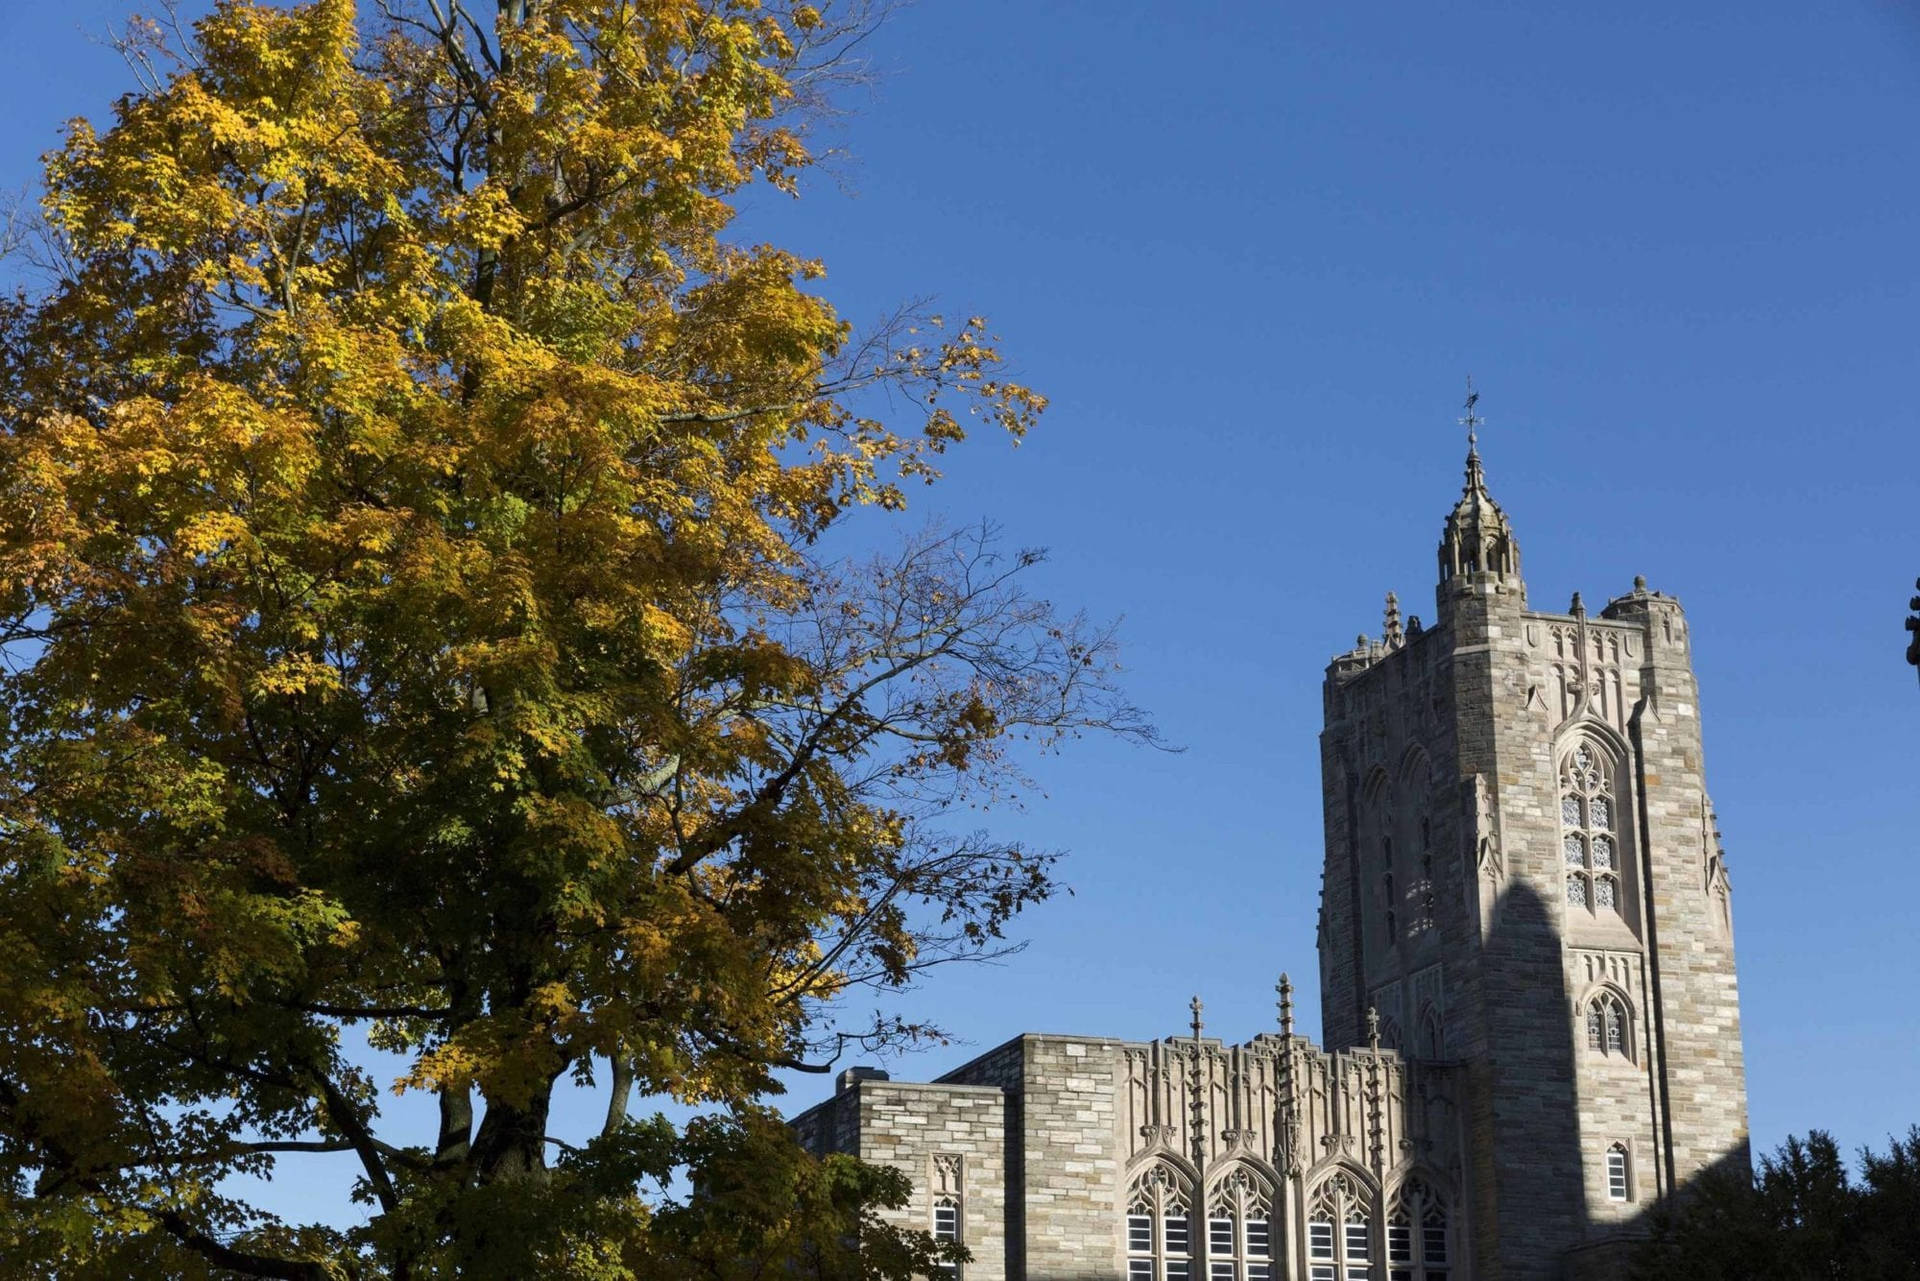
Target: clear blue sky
(1252,251)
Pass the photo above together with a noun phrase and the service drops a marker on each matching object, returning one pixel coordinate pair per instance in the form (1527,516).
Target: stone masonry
(1529,1004)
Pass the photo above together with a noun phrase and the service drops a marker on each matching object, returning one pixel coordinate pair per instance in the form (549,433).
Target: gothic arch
(1420,1172)
(1241,1209)
(1430,1033)
(1158,1212)
(1377,842)
(1416,767)
(1181,1167)
(1607,1022)
(1257,1169)
(1565,739)
(1363,1181)
(1422,1227)
(1343,1208)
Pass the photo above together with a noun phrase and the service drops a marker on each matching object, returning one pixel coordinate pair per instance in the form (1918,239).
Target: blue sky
(1252,252)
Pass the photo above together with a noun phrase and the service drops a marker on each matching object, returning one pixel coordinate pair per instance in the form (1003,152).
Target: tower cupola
(1478,539)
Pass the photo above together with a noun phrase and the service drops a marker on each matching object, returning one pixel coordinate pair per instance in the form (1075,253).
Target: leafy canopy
(413,634)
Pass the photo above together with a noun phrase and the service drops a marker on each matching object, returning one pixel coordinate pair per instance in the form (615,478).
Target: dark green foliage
(1804,1218)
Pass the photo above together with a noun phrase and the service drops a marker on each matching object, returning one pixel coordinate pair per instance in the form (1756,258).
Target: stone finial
(1578,609)
(1196,1007)
(1413,626)
(1639,582)
(1285,988)
(1394,636)
(1373,1029)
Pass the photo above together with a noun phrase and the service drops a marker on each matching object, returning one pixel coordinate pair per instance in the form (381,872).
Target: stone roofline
(1114,1042)
(1370,653)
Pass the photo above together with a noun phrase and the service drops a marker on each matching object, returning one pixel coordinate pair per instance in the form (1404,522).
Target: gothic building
(1528,995)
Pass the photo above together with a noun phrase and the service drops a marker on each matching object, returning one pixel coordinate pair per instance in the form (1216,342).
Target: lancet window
(1590,837)
(1432,1038)
(1422,895)
(1340,1232)
(1418,1247)
(1393,917)
(1607,1025)
(948,1184)
(1619,1187)
(946,1227)
(1240,1228)
(1160,1244)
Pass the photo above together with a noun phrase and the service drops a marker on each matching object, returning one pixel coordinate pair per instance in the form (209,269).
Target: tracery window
(1339,1233)
(1159,1227)
(1417,1245)
(1619,1188)
(1607,1025)
(1589,836)
(1240,1229)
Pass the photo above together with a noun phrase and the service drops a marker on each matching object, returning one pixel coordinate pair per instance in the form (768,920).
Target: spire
(1471,421)
(1285,989)
(1393,636)
(1478,538)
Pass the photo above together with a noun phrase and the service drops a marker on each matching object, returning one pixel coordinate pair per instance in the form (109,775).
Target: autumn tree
(415,637)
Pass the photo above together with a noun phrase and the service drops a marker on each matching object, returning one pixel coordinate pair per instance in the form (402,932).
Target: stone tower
(1523,878)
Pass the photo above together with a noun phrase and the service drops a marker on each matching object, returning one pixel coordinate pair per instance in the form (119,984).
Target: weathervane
(1472,420)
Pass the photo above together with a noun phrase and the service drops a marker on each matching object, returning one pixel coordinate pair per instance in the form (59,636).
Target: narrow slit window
(1617,1186)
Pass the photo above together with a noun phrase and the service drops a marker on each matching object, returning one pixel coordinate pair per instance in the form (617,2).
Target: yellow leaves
(485,217)
(450,1066)
(206,534)
(426,584)
(296,674)
(664,633)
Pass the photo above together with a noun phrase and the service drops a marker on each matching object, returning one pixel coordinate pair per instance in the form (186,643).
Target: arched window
(1589,835)
(1159,1227)
(1421,895)
(1240,1229)
(1393,920)
(1607,1025)
(1432,1037)
(1339,1233)
(1619,1186)
(1390,1033)
(1417,1243)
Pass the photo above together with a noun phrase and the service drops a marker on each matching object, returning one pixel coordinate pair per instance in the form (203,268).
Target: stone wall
(1070,1090)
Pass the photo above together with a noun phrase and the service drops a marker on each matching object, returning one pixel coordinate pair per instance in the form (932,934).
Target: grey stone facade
(1529,1006)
